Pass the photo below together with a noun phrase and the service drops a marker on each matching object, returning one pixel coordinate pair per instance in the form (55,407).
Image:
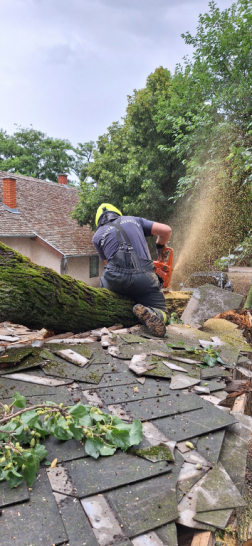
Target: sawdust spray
(207,224)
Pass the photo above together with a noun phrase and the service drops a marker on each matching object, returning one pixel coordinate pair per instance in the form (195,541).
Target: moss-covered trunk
(40,298)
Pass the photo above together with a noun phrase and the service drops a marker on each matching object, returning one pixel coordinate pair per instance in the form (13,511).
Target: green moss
(155,453)
(95,377)
(38,297)
(15,355)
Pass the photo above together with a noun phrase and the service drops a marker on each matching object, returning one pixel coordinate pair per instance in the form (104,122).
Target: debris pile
(183,470)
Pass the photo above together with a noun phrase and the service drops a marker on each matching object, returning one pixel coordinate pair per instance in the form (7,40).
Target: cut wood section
(240,403)
(203,539)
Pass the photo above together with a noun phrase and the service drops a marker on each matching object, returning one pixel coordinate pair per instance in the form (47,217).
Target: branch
(38,406)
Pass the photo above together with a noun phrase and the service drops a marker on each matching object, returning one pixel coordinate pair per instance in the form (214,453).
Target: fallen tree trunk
(38,297)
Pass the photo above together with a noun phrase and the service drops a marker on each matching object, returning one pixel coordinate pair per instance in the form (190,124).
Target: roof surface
(133,498)
(45,209)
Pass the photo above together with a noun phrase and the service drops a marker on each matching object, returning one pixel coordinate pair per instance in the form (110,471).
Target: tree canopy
(33,153)
(185,131)
(183,134)
(129,167)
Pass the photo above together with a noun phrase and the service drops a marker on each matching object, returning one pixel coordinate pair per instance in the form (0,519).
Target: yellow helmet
(102,208)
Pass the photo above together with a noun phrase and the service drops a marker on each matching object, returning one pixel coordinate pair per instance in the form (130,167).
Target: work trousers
(130,275)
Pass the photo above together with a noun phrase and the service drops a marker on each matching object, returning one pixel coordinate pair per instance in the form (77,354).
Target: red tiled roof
(45,209)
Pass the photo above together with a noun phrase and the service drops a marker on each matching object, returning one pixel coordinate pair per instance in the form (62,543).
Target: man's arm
(162,231)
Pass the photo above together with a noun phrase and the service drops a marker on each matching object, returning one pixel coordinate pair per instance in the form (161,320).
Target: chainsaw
(163,267)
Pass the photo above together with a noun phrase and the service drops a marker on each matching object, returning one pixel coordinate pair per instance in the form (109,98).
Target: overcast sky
(67,66)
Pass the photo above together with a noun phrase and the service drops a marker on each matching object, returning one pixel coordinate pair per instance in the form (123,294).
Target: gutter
(50,247)
(21,236)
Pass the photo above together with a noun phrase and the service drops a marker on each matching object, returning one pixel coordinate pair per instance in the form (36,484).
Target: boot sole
(154,324)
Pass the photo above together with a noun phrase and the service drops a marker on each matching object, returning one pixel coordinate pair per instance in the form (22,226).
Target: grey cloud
(89,54)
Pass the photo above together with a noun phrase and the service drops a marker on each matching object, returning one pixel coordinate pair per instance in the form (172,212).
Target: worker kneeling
(120,242)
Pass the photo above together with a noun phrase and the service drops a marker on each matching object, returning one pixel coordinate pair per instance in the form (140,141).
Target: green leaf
(219,359)
(14,478)
(40,451)
(31,465)
(96,446)
(10,427)
(86,421)
(29,418)
(210,360)
(97,418)
(120,438)
(77,411)
(136,432)
(61,433)
(106,450)
(76,431)
(29,473)
(19,400)
(92,447)
(116,420)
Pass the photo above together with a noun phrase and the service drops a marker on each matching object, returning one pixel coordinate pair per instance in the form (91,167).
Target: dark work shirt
(137,229)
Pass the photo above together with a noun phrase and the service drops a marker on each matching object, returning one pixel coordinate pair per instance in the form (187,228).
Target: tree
(40,298)
(211,129)
(33,153)
(83,156)
(214,115)
(129,167)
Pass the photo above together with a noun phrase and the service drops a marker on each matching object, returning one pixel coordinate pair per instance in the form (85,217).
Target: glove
(159,250)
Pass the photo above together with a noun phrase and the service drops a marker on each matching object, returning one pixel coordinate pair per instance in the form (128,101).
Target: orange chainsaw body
(163,267)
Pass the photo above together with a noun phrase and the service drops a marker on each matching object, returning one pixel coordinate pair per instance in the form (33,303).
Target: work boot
(154,320)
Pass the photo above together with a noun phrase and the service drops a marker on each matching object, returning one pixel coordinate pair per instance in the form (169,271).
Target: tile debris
(181,473)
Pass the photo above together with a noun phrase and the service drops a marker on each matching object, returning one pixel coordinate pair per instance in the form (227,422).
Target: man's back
(105,240)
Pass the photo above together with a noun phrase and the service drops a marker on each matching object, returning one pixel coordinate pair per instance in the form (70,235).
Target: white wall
(78,268)
(33,250)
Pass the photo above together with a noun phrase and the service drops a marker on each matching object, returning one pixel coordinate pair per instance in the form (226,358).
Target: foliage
(212,357)
(209,355)
(242,254)
(185,133)
(83,157)
(216,101)
(33,153)
(174,319)
(102,434)
(129,167)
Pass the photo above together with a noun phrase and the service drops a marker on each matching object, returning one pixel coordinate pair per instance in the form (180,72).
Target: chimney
(62,178)
(10,193)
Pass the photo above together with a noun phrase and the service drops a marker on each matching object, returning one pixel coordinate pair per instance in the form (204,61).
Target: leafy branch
(21,433)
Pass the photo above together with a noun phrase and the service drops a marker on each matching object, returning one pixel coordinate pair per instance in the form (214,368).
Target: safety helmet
(103,208)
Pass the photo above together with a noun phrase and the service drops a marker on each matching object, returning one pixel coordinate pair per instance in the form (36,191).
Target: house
(35,220)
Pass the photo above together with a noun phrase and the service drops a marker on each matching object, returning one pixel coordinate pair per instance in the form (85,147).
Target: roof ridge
(33,179)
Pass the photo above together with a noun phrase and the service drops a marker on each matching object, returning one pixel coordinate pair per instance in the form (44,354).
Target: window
(94,266)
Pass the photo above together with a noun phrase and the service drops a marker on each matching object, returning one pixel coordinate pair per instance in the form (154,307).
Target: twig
(38,406)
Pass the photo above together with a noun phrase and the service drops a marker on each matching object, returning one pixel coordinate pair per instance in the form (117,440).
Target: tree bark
(38,297)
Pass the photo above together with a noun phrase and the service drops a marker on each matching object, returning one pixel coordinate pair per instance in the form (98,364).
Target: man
(120,242)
